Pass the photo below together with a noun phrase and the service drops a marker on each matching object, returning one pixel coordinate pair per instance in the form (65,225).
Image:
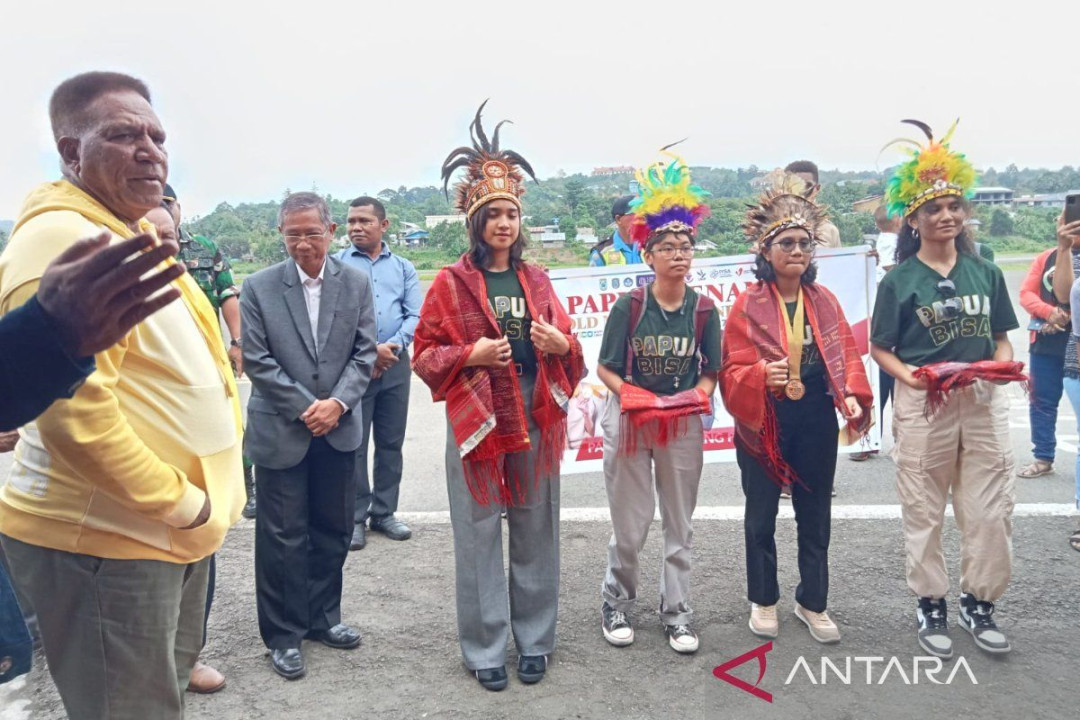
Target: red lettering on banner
(721,671)
(591,448)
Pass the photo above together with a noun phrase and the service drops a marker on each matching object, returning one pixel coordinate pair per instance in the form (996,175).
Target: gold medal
(794,389)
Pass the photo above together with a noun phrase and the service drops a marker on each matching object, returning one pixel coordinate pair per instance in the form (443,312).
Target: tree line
(247,230)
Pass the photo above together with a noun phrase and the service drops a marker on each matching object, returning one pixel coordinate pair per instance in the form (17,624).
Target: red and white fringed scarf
(944,377)
(756,334)
(484,406)
(652,420)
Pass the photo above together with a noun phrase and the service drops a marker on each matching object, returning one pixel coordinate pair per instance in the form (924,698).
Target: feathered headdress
(666,201)
(492,173)
(784,204)
(933,171)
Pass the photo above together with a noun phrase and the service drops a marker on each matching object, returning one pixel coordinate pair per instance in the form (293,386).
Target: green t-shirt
(666,354)
(507,301)
(811,367)
(912,315)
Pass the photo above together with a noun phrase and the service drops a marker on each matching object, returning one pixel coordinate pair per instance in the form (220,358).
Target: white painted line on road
(735,512)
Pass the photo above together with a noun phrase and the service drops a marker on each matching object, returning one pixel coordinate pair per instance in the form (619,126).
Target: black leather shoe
(492,678)
(249,508)
(391,527)
(359,537)
(288,663)
(339,637)
(531,668)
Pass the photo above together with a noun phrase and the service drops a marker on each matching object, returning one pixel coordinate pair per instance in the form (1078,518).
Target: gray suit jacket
(289,369)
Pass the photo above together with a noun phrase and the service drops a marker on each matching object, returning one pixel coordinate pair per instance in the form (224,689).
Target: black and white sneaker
(977,617)
(932,616)
(616,625)
(681,638)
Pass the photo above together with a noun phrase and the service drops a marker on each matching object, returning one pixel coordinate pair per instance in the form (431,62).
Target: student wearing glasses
(940,303)
(659,358)
(790,364)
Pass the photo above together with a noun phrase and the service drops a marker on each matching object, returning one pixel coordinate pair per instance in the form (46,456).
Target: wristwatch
(234,343)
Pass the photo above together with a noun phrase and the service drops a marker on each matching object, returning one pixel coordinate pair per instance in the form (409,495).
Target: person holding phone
(1067,283)
(790,364)
(494,342)
(1048,334)
(943,303)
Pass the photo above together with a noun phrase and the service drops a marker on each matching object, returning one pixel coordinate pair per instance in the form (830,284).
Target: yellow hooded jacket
(115,471)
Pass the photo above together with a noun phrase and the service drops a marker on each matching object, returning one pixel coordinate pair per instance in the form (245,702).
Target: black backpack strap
(702,311)
(637,311)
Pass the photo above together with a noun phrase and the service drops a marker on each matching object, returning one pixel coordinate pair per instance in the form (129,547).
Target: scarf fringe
(654,432)
(506,479)
(767,451)
(943,378)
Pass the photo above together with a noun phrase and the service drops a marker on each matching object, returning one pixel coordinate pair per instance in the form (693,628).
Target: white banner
(588,294)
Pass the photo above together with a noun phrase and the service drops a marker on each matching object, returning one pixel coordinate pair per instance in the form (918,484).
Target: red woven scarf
(655,420)
(943,377)
(485,407)
(755,334)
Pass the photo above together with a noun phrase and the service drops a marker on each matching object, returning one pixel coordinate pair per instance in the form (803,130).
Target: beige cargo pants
(964,448)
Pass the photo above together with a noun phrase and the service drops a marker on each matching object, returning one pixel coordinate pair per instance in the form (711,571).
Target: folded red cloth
(656,419)
(944,377)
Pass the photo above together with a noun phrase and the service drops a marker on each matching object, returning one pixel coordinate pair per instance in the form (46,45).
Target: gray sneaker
(933,621)
(977,617)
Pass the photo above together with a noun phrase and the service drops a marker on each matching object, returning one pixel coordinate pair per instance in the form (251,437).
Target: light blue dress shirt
(396,288)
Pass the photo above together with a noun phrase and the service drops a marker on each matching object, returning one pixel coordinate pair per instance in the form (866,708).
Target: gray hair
(304,201)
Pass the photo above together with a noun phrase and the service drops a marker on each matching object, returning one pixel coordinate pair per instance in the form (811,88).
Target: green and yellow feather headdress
(666,201)
(933,171)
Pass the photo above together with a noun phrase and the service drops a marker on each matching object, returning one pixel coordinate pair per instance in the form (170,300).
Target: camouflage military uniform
(208,267)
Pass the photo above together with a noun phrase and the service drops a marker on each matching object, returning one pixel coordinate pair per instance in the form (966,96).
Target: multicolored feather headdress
(784,204)
(933,171)
(666,201)
(491,172)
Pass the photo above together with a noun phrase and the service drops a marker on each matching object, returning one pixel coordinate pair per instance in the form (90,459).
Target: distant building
(587,235)
(614,170)
(867,204)
(432,221)
(992,196)
(416,238)
(547,236)
(1049,200)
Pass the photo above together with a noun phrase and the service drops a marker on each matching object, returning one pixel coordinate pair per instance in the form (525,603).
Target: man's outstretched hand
(94,294)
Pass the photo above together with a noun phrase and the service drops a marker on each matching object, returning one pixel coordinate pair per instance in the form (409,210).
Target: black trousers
(385,413)
(808,441)
(303,524)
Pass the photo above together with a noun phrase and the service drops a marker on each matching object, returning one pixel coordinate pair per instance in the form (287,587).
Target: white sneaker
(681,638)
(821,626)
(763,620)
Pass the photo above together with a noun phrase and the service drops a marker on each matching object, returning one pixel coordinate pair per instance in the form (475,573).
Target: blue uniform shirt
(396,288)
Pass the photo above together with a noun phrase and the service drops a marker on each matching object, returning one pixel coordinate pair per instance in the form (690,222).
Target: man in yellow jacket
(119,495)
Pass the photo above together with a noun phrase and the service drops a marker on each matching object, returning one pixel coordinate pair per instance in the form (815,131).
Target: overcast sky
(355,97)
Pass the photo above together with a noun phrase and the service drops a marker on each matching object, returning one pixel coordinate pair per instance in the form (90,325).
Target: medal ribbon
(796,333)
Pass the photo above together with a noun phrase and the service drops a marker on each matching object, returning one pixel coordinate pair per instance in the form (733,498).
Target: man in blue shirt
(617,249)
(386,402)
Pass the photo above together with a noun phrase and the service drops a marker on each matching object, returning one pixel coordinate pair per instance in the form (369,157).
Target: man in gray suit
(309,345)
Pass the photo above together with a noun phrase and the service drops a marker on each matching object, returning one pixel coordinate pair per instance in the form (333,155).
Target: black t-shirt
(811,367)
(507,301)
(912,314)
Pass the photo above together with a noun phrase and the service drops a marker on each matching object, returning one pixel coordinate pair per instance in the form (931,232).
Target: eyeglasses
(788,245)
(667,251)
(310,237)
(953,306)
